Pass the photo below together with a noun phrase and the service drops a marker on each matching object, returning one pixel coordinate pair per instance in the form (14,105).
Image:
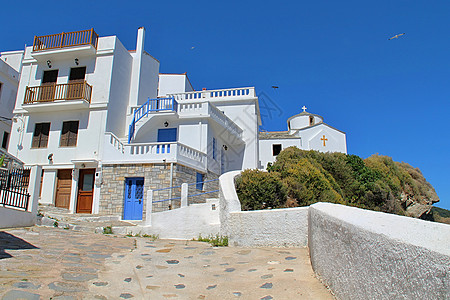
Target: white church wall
(313,139)
(360,253)
(266,149)
(299,122)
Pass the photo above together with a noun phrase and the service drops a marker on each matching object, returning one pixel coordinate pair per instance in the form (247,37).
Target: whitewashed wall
(362,254)
(265,149)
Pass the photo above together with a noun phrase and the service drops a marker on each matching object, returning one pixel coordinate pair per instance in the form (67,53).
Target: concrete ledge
(269,228)
(10,217)
(363,254)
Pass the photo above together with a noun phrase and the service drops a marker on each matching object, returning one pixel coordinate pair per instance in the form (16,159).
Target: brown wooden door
(63,187)
(48,85)
(76,80)
(85,191)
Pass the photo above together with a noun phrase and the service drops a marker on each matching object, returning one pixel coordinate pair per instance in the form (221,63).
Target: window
(5,140)
(1,88)
(214,148)
(40,135)
(276,149)
(199,182)
(69,134)
(311,120)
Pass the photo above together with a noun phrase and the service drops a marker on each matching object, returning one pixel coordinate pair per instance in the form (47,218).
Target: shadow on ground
(11,242)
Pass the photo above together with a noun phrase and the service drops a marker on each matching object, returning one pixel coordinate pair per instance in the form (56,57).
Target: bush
(258,190)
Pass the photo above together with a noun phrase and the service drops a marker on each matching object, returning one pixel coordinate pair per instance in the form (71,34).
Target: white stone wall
(286,227)
(312,139)
(9,81)
(173,84)
(363,254)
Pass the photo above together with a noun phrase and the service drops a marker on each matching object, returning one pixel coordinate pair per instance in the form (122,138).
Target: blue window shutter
(199,183)
(214,148)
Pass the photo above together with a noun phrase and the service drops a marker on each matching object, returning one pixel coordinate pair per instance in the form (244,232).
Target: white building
(105,126)
(305,131)
(10,66)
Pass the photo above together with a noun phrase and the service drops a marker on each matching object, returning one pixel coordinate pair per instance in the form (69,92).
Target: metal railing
(65,39)
(245,92)
(151,105)
(171,198)
(53,92)
(14,188)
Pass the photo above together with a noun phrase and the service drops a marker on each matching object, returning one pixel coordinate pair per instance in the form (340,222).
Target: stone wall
(156,176)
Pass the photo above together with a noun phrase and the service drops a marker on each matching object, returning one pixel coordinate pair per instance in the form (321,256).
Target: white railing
(114,140)
(118,152)
(208,94)
(226,122)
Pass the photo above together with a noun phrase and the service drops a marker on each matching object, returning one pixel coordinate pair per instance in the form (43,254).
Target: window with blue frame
(214,148)
(199,182)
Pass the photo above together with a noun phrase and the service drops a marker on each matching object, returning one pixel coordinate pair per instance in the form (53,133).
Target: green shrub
(107,230)
(258,190)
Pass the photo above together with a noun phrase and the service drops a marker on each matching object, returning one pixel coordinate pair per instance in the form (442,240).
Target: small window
(69,134)
(40,135)
(276,149)
(214,148)
(5,140)
(199,182)
(311,120)
(1,88)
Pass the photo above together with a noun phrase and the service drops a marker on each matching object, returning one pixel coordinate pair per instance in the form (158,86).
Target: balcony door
(76,80)
(48,89)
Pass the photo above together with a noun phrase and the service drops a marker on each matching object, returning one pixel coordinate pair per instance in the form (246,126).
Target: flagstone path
(52,263)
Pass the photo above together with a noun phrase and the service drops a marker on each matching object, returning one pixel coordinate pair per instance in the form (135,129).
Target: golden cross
(324,140)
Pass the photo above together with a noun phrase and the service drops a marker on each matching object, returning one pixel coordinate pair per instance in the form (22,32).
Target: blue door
(167,135)
(134,194)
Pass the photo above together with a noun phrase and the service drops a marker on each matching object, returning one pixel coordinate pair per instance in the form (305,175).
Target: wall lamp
(50,157)
(76,61)
(225,147)
(166,124)
(49,63)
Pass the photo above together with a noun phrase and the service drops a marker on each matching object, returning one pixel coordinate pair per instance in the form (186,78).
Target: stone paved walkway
(51,263)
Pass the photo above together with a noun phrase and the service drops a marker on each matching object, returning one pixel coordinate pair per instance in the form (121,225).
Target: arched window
(311,120)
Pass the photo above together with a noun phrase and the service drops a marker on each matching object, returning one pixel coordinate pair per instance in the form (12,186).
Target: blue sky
(390,97)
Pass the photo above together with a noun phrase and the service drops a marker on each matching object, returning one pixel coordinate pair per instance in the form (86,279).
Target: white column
(74,191)
(184,195)
(33,189)
(149,208)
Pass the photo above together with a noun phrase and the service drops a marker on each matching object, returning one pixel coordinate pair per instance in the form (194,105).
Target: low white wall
(229,201)
(363,254)
(286,227)
(184,223)
(10,217)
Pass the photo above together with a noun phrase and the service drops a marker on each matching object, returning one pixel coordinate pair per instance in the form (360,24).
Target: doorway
(48,85)
(134,193)
(85,191)
(76,80)
(63,188)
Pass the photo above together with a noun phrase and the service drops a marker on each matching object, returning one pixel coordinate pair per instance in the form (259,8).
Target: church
(306,131)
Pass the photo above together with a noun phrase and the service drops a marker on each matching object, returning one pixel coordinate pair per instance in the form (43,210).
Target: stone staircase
(59,217)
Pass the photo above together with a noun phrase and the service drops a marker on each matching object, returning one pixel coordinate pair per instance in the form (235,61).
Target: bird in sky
(274,87)
(396,36)
(192,48)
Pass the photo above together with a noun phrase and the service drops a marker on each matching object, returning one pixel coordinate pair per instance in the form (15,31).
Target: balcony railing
(151,105)
(65,39)
(53,92)
(216,94)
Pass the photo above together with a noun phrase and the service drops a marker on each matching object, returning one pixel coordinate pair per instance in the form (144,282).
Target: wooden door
(63,187)
(76,80)
(85,191)
(48,86)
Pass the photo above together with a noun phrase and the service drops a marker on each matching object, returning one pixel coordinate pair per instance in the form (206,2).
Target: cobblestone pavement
(51,263)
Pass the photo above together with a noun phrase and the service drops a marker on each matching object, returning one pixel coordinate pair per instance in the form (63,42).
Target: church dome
(303,119)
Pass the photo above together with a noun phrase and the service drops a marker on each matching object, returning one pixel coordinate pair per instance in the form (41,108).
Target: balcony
(82,42)
(57,96)
(117,152)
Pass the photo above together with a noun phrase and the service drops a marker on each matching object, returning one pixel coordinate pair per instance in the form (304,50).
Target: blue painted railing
(152,105)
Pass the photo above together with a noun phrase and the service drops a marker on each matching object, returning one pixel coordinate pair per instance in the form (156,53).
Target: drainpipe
(171,183)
